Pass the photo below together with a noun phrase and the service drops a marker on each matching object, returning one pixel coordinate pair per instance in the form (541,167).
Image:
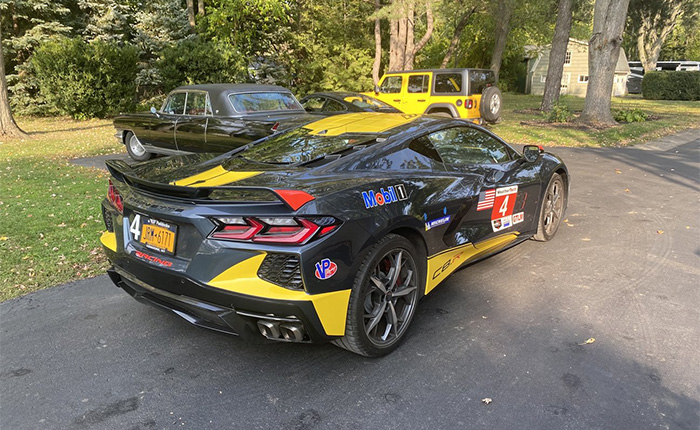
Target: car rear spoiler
(123,172)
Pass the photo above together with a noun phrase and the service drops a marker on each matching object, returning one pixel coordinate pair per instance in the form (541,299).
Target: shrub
(192,61)
(630,115)
(671,85)
(86,80)
(560,113)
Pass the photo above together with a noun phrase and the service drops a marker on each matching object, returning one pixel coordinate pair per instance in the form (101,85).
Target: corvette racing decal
(384,197)
(325,269)
(153,259)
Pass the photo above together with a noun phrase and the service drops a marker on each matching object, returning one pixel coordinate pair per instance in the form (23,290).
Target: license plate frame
(158,235)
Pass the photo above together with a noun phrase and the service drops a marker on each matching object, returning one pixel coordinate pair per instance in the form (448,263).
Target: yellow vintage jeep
(460,93)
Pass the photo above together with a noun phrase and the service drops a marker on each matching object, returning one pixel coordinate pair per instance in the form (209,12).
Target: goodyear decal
(214,178)
(383,197)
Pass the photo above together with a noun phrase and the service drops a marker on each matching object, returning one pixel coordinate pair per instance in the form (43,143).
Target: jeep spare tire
(490,108)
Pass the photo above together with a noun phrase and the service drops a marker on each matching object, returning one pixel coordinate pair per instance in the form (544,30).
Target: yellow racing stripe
(361,122)
(109,240)
(242,278)
(214,178)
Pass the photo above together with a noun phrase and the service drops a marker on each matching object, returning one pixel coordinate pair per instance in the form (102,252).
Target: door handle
(397,100)
(420,100)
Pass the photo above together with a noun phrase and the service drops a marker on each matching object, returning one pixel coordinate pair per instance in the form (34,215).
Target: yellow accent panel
(446,262)
(361,122)
(213,178)
(109,240)
(331,308)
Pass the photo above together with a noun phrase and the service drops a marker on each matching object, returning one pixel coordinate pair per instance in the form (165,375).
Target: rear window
(480,79)
(448,83)
(263,102)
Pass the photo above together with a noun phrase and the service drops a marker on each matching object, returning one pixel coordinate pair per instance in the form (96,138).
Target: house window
(567,59)
(582,79)
(543,78)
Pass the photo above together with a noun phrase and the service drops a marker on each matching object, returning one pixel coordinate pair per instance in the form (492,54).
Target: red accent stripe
(294,198)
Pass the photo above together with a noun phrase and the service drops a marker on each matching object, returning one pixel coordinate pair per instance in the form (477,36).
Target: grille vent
(282,270)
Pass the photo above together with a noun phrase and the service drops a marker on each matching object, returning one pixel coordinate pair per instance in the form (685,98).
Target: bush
(560,113)
(630,115)
(671,85)
(195,62)
(86,80)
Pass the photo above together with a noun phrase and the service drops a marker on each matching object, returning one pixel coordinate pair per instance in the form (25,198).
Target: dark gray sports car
(210,118)
(338,102)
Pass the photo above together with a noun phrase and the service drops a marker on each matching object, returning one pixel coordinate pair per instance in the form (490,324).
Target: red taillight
(285,230)
(468,104)
(115,198)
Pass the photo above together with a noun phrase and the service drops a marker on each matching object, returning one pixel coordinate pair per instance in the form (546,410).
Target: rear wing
(293,199)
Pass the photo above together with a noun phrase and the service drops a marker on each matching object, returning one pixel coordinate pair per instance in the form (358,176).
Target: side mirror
(155,112)
(532,152)
(376,89)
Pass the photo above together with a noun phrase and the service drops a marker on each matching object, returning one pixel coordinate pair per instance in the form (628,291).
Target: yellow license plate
(158,235)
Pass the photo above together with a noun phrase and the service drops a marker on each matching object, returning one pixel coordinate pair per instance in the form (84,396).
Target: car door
(506,195)
(190,130)
(415,100)
(162,130)
(390,90)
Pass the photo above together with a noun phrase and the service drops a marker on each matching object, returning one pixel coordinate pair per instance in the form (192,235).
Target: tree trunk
(395,45)
(557,56)
(377,44)
(8,126)
(402,47)
(190,13)
(410,43)
(652,34)
(456,36)
(603,51)
(200,7)
(505,11)
(428,33)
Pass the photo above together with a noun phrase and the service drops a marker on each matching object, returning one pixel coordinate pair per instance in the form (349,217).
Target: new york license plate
(158,235)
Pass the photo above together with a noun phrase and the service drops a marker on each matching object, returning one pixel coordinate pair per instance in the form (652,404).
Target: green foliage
(86,80)
(630,115)
(560,113)
(197,62)
(671,85)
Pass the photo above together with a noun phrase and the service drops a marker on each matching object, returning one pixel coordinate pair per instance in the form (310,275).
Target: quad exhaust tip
(274,330)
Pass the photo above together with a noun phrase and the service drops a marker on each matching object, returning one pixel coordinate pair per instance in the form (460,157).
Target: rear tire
(384,298)
(135,149)
(552,211)
(491,101)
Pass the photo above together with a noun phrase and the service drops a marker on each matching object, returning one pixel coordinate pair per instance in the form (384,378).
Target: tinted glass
(313,104)
(480,79)
(260,102)
(391,84)
(175,104)
(448,83)
(196,104)
(418,84)
(424,146)
(364,101)
(298,146)
(334,106)
(466,145)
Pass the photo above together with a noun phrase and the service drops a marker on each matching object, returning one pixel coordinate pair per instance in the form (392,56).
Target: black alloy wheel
(552,211)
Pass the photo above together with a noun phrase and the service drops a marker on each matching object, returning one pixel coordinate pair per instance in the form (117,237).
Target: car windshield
(299,146)
(261,102)
(366,102)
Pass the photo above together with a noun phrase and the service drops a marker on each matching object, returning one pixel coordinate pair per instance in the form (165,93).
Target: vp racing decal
(383,197)
(325,269)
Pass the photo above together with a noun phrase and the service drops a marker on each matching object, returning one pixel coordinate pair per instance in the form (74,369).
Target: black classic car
(210,118)
(332,103)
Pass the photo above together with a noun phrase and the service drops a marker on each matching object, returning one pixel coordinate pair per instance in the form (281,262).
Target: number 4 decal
(134,227)
(504,207)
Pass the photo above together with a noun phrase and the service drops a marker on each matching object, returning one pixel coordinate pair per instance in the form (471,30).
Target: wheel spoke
(378,283)
(404,291)
(375,317)
(396,267)
(393,319)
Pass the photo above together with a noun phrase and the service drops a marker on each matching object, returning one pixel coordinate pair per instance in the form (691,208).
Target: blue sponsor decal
(384,197)
(437,222)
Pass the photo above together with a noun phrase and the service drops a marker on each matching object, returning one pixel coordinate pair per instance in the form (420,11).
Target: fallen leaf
(618,171)
(486,400)
(627,190)
(585,239)
(4,238)
(569,224)
(588,341)
(659,232)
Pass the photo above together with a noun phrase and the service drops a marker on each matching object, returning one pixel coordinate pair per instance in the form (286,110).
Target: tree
(557,55)
(654,21)
(190,13)
(504,13)
(377,43)
(459,28)
(603,52)
(402,45)
(8,126)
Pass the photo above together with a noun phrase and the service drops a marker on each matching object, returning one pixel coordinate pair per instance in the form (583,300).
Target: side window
(314,104)
(391,85)
(466,145)
(176,103)
(196,103)
(480,79)
(448,83)
(334,106)
(418,84)
(424,146)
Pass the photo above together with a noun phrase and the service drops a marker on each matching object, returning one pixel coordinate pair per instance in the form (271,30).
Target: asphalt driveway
(517,328)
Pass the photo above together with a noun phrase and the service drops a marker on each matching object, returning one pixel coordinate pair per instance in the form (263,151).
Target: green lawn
(50,219)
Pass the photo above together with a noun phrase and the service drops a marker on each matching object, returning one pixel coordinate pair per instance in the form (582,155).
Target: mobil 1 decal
(503,205)
(384,196)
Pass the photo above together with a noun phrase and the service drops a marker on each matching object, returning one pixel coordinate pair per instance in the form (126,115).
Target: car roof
(228,88)
(453,70)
